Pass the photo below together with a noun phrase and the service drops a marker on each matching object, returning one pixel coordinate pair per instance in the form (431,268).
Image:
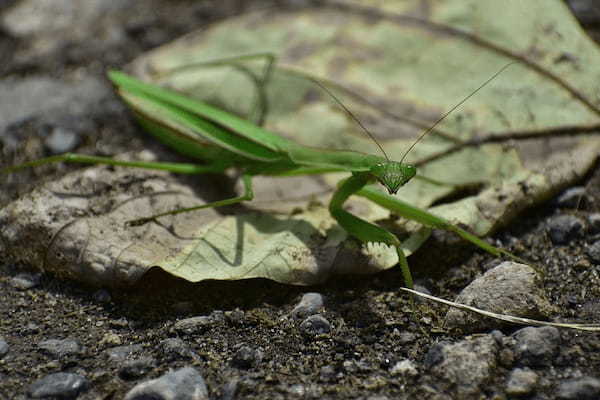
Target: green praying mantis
(223,140)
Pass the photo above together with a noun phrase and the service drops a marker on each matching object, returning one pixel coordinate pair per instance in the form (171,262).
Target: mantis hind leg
(260,79)
(361,229)
(181,168)
(247,196)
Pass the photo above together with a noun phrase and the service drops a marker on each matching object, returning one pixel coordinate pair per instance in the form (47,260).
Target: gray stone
(510,288)
(315,325)
(593,252)
(586,388)
(25,280)
(247,357)
(464,367)
(564,229)
(61,140)
(60,348)
(3,347)
(182,384)
(536,346)
(175,349)
(310,304)
(122,353)
(59,385)
(404,368)
(194,324)
(521,382)
(136,368)
(327,373)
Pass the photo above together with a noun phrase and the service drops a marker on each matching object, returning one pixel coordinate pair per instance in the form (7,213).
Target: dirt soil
(252,347)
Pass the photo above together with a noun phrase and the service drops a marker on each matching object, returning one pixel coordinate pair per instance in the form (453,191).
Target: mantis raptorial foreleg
(361,229)
(413,213)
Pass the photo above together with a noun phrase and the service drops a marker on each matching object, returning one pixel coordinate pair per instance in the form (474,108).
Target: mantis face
(393,175)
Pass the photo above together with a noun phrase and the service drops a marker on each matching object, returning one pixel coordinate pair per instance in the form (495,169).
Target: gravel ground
(355,337)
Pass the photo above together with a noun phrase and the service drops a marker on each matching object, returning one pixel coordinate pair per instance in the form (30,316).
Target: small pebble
(235,317)
(60,385)
(593,252)
(246,357)
(110,339)
(25,280)
(586,388)
(564,229)
(327,373)
(185,384)
(3,347)
(175,349)
(466,366)
(310,304)
(315,325)
(406,337)
(60,348)
(136,368)
(122,353)
(118,323)
(536,346)
(193,325)
(61,140)
(521,382)
(31,329)
(404,368)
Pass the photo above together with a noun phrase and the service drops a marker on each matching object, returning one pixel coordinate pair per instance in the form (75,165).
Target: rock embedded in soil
(310,304)
(510,288)
(136,368)
(247,357)
(184,383)
(464,367)
(536,346)
(593,252)
(192,325)
(175,349)
(565,228)
(121,353)
(60,348)
(521,382)
(25,280)
(404,368)
(3,347)
(60,385)
(315,325)
(587,388)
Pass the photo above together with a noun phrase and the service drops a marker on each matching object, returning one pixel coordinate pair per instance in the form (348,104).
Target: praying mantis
(223,140)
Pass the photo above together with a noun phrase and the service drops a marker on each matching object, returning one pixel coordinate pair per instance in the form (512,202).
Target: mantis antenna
(460,103)
(354,117)
(440,119)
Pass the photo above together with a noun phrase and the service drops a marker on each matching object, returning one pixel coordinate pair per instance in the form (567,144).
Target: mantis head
(393,174)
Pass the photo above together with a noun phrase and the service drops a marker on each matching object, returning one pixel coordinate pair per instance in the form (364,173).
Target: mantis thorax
(393,174)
